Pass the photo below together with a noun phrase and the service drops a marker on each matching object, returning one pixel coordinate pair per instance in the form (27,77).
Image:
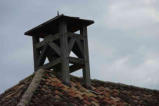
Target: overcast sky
(123,41)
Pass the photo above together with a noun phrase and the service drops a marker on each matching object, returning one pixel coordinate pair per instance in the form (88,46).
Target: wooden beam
(55,48)
(42,56)
(47,39)
(86,69)
(51,64)
(36,52)
(75,67)
(50,55)
(80,46)
(64,52)
(76,60)
(74,35)
(76,50)
(71,43)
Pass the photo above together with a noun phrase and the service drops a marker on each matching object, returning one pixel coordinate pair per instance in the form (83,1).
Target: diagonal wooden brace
(55,48)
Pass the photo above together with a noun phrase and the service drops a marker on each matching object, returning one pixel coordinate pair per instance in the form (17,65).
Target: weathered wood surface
(86,69)
(64,52)
(71,43)
(32,87)
(42,56)
(75,60)
(55,48)
(36,52)
(47,39)
(51,64)
(58,47)
(75,67)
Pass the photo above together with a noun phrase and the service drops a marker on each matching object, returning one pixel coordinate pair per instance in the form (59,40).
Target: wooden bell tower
(55,40)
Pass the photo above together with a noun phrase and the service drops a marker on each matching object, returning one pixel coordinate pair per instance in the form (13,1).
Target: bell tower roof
(51,26)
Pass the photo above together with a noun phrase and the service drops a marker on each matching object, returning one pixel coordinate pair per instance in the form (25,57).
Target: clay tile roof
(52,92)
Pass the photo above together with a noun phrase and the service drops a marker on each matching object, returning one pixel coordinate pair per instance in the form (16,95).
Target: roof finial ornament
(57,13)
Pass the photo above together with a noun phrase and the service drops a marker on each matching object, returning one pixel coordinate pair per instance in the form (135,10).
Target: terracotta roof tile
(52,92)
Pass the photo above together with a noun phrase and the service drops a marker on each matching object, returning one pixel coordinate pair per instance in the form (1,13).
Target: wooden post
(64,52)
(86,69)
(36,52)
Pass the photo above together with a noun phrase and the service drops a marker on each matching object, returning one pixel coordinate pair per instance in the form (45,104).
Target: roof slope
(52,92)
(12,96)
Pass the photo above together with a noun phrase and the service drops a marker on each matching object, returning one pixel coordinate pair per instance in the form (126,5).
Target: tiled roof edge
(32,87)
(118,84)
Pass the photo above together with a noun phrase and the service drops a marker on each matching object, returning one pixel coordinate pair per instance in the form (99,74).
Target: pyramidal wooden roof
(51,26)
(50,91)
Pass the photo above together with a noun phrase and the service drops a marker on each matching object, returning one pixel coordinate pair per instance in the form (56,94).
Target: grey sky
(123,42)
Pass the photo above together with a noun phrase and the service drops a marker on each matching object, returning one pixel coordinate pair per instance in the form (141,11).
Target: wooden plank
(80,46)
(86,69)
(50,55)
(76,60)
(64,52)
(77,51)
(51,64)
(76,36)
(36,52)
(47,39)
(55,48)
(75,67)
(42,56)
(29,92)
(71,43)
